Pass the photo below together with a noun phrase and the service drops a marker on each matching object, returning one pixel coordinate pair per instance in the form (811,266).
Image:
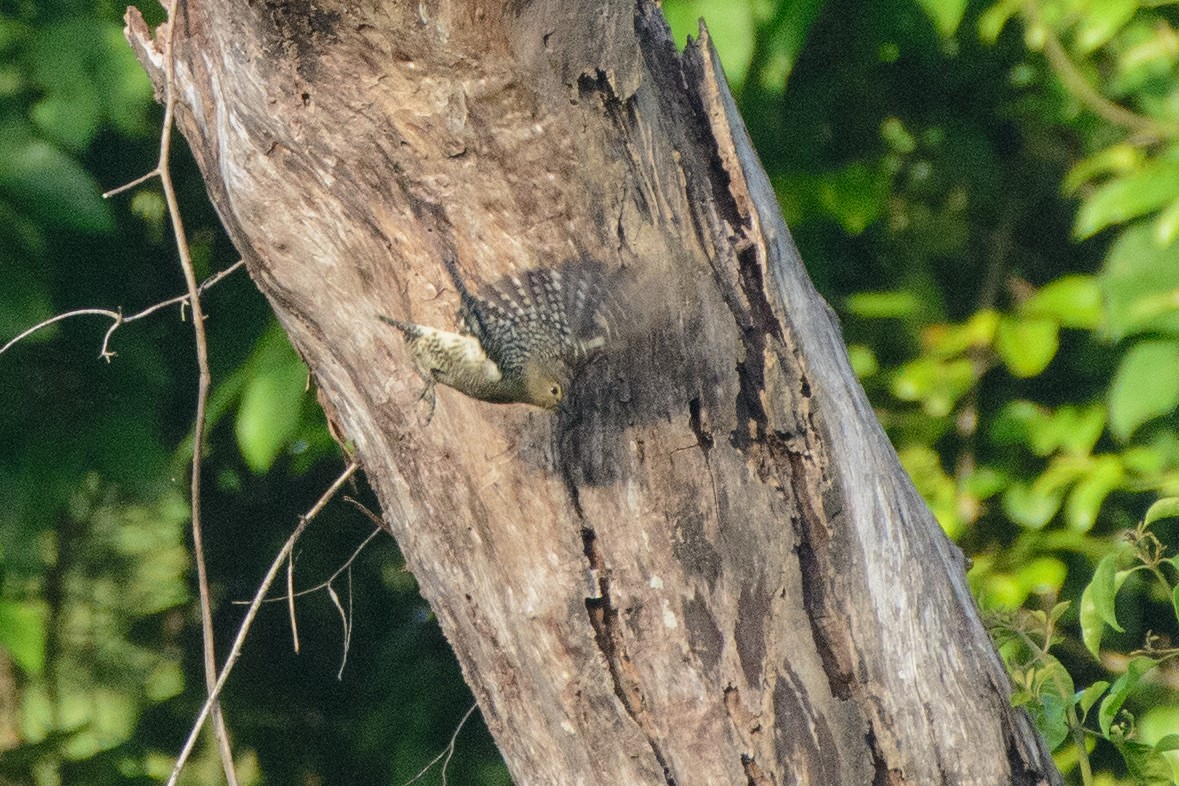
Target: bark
(712,570)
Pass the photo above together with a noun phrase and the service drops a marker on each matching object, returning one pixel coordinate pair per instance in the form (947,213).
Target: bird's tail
(408,328)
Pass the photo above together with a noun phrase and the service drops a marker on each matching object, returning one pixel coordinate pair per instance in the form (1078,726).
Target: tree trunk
(711,569)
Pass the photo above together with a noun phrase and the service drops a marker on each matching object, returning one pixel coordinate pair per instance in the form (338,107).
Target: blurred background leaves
(987,192)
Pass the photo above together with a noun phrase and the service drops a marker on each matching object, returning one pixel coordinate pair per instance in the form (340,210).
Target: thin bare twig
(104,312)
(291,601)
(1076,84)
(128,186)
(291,595)
(204,380)
(236,650)
(117,316)
(346,619)
(448,752)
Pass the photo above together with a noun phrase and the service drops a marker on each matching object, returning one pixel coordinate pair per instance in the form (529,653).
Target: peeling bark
(712,570)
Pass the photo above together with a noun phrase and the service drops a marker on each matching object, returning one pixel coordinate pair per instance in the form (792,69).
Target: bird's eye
(555,390)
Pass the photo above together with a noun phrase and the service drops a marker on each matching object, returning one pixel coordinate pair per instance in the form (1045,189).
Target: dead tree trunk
(713,570)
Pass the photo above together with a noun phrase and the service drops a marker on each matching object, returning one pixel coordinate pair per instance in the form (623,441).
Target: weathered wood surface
(714,571)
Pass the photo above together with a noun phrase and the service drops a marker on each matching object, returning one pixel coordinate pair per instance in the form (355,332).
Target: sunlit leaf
(1161,509)
(1071,429)
(1145,385)
(863,360)
(1105,475)
(899,138)
(985,482)
(1042,575)
(730,25)
(945,14)
(1101,22)
(1128,196)
(938,488)
(1166,226)
(1073,301)
(883,305)
(13,33)
(995,18)
(1115,159)
(1030,506)
(271,402)
(23,635)
(1027,346)
(1145,765)
(947,341)
(937,385)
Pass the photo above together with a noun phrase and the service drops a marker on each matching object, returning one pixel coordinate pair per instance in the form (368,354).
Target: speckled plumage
(523,340)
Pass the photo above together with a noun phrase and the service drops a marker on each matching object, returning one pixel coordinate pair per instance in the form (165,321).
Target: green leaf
(855,196)
(1092,626)
(1105,475)
(945,14)
(1141,285)
(1098,599)
(937,385)
(70,112)
(995,18)
(1088,697)
(1121,690)
(1145,386)
(1143,764)
(731,27)
(1166,508)
(13,33)
(863,360)
(1031,505)
(883,305)
(1003,591)
(1027,346)
(1106,583)
(22,634)
(1168,743)
(126,88)
(49,185)
(1119,159)
(1044,575)
(1101,22)
(1074,430)
(1166,226)
(1073,301)
(1050,714)
(1128,196)
(949,341)
(272,401)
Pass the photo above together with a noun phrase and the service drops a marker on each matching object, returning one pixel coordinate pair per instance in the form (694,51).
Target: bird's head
(543,386)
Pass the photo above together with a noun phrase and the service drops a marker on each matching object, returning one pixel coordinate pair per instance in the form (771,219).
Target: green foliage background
(987,192)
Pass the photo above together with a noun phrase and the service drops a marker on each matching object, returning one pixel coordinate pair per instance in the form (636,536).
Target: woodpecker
(522,341)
